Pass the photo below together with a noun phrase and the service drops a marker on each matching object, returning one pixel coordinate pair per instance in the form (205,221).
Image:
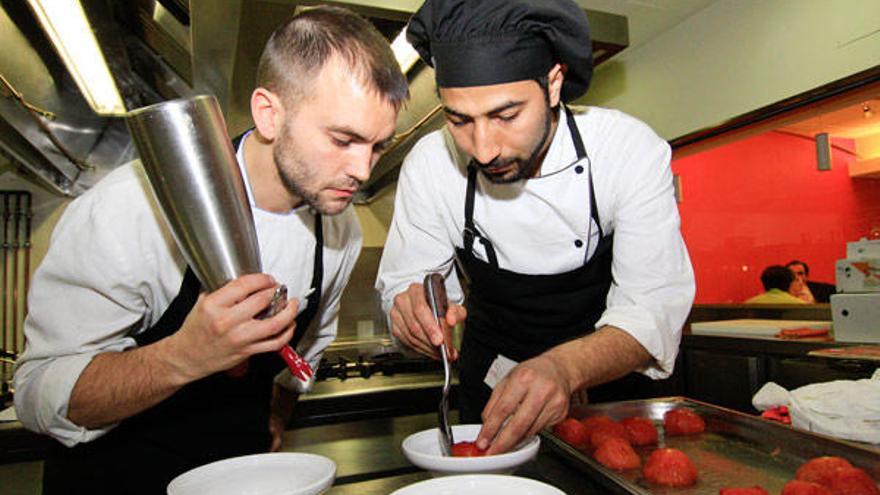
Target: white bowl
(283,473)
(479,484)
(423,450)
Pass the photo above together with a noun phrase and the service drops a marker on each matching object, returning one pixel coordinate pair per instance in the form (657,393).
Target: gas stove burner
(387,364)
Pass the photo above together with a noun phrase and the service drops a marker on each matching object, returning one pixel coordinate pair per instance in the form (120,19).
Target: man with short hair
(781,286)
(562,220)
(801,272)
(813,292)
(126,361)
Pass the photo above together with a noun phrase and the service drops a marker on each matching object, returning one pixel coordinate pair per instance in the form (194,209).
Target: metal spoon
(435,295)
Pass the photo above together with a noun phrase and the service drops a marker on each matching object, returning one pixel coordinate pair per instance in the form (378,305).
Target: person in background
(562,219)
(801,272)
(780,287)
(127,360)
(813,292)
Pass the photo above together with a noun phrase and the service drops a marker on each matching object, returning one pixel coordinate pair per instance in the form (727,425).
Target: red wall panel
(762,201)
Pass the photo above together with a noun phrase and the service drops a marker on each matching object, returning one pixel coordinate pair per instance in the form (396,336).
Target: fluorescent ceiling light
(406,55)
(65,22)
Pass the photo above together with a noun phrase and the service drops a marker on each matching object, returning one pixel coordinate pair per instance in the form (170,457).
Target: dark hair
(299,48)
(791,263)
(777,277)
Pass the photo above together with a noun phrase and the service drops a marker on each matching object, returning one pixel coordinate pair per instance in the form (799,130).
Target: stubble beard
(297,175)
(525,169)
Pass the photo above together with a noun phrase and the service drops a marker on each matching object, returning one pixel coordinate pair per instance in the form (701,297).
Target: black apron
(214,418)
(519,315)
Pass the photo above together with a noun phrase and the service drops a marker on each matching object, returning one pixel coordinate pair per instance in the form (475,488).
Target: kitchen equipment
(735,447)
(863,249)
(753,327)
(479,484)
(191,166)
(858,275)
(856,308)
(435,294)
(260,474)
(856,317)
(423,450)
(194,175)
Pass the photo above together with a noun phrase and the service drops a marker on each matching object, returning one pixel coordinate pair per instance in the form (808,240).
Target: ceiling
(852,122)
(648,18)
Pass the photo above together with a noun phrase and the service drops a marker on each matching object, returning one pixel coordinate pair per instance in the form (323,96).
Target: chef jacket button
(578,243)
(579,169)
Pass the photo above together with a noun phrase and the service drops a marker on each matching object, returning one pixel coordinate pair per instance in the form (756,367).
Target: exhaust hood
(163,49)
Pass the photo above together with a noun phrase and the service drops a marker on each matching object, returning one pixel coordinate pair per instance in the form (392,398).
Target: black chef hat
(484,42)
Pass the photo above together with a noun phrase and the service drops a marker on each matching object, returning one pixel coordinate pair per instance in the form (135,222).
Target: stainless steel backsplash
(360,312)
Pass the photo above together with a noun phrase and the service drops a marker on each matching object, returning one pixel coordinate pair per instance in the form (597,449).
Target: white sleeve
(418,241)
(313,344)
(84,300)
(653,285)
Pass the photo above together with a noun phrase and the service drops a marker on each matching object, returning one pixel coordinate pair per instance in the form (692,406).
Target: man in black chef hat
(562,221)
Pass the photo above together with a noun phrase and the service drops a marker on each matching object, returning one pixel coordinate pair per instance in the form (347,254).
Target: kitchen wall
(735,56)
(375,217)
(762,201)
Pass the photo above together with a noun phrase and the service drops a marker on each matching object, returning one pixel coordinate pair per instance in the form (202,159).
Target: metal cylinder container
(191,166)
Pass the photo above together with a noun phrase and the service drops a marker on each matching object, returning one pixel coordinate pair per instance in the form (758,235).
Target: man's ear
(555,78)
(267,112)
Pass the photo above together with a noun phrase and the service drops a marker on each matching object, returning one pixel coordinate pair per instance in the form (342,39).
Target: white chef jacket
(543,226)
(112,269)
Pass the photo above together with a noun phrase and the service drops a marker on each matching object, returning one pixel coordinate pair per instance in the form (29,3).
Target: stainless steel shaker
(192,168)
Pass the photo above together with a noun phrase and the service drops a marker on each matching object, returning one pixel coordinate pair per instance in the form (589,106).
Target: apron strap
(305,318)
(470,229)
(581,151)
(176,312)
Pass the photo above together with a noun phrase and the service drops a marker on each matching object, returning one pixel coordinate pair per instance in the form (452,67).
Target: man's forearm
(603,356)
(118,385)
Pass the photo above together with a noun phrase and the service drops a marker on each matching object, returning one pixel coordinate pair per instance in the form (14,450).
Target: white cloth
(848,409)
(534,224)
(112,269)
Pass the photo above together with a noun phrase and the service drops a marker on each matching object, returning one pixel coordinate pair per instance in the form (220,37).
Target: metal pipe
(15,246)
(5,301)
(29,214)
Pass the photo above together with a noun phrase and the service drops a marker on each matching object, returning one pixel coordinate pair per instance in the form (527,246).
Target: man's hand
(412,322)
(533,395)
(221,330)
(536,393)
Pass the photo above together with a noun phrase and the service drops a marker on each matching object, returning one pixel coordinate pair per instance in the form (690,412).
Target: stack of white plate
(260,474)
(479,484)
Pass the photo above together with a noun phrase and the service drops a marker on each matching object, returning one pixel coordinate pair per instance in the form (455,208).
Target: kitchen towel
(847,409)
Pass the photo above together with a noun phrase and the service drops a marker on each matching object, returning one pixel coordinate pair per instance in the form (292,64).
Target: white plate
(479,484)
(423,450)
(280,473)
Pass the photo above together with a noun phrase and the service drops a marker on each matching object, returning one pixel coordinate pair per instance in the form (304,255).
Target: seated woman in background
(780,285)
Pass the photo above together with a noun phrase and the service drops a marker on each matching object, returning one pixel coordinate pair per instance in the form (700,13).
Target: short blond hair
(297,51)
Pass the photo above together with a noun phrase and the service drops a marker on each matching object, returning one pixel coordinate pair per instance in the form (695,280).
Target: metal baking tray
(735,450)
